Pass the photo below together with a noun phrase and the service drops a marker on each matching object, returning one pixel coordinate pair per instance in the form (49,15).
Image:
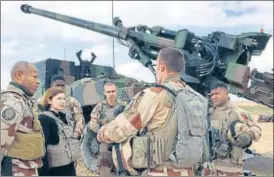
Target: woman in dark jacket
(53,102)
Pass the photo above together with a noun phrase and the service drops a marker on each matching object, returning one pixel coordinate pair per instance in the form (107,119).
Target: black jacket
(51,135)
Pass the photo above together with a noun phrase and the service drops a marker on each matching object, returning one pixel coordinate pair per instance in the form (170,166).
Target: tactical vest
(163,140)
(89,143)
(161,143)
(108,112)
(168,145)
(227,120)
(68,148)
(27,145)
(223,121)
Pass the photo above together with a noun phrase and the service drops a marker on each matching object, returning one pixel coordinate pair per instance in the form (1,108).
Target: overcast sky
(31,37)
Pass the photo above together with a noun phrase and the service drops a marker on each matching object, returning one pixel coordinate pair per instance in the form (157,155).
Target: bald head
(25,74)
(21,67)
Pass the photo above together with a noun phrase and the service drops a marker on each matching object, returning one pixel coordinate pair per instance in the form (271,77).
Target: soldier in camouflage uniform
(150,109)
(101,114)
(23,156)
(237,131)
(72,105)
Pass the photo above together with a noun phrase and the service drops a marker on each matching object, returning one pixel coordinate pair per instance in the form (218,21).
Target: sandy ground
(262,165)
(265,144)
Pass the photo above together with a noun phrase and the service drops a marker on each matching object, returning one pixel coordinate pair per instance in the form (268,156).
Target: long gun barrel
(120,33)
(216,57)
(97,27)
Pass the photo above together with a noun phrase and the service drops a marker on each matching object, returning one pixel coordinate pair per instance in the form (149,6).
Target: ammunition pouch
(28,146)
(148,151)
(140,152)
(224,150)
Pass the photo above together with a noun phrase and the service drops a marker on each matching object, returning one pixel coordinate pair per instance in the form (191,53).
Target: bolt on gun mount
(216,57)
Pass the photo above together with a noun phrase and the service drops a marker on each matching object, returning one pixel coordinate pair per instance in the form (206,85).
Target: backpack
(191,109)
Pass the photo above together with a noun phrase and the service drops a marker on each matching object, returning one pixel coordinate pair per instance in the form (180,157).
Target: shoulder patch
(156,89)
(8,114)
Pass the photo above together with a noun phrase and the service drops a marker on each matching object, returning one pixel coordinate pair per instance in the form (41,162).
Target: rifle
(212,136)
(106,157)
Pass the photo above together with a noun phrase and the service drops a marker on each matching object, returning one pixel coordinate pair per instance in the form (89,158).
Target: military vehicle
(216,57)
(85,81)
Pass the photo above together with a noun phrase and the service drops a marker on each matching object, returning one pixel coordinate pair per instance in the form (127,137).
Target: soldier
(23,156)
(101,114)
(72,105)
(151,112)
(237,131)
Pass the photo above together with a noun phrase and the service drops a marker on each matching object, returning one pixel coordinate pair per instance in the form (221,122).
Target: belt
(173,172)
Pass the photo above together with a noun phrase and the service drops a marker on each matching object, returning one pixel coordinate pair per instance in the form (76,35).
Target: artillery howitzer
(218,56)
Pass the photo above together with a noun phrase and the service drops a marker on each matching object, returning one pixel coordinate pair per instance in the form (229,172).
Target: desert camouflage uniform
(222,118)
(75,109)
(103,111)
(77,113)
(98,114)
(17,116)
(149,108)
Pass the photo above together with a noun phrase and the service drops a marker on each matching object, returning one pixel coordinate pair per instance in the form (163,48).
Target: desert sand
(261,165)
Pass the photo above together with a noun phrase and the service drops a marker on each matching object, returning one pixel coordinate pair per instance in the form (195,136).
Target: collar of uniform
(226,105)
(106,103)
(172,77)
(20,88)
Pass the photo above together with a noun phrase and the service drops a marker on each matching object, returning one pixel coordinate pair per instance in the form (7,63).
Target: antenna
(113,56)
